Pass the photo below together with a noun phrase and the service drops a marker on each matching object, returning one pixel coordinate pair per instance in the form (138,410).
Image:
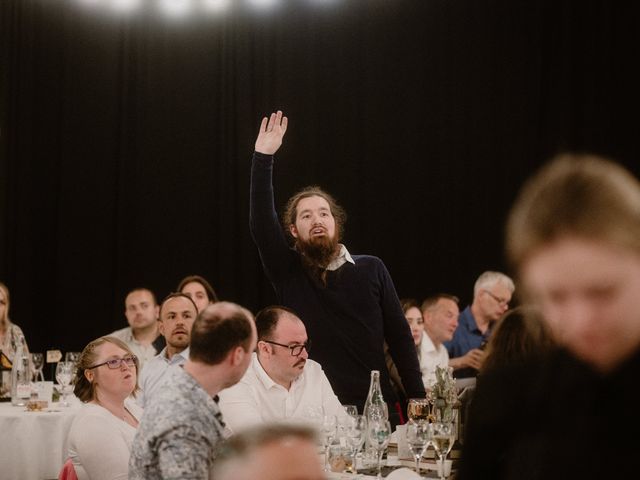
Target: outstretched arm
(265,228)
(271,132)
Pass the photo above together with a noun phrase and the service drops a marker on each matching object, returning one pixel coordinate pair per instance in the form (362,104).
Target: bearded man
(347,302)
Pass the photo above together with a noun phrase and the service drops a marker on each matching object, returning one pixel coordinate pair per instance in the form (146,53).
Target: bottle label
(23,391)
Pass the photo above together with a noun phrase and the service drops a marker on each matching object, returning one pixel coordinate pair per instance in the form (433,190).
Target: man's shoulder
(123,334)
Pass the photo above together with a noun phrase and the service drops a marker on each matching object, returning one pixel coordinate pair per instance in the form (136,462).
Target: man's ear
(293,230)
(238,355)
(157,311)
(161,327)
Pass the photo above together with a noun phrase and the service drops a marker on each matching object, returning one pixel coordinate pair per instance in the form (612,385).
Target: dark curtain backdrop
(126,142)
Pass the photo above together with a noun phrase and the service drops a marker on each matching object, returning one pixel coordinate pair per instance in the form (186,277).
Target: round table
(35,443)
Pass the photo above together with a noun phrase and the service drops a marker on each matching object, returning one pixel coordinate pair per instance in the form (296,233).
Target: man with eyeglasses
(492,293)
(282,383)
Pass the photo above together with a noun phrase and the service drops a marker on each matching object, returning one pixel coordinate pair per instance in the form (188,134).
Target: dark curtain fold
(126,142)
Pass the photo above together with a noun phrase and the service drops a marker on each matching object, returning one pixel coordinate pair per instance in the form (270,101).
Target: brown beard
(317,253)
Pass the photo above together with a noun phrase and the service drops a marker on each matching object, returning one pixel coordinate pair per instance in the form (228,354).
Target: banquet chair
(67,472)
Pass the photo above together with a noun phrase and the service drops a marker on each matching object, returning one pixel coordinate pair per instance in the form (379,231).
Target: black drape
(126,141)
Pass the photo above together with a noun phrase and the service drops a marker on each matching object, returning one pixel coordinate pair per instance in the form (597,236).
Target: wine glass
(442,438)
(378,433)
(329,429)
(418,437)
(64,375)
(355,435)
(418,410)
(37,361)
(351,410)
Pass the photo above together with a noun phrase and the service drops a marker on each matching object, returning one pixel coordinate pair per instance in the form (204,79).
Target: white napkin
(403,473)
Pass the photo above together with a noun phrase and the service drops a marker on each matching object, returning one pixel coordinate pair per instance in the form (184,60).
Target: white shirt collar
(343,257)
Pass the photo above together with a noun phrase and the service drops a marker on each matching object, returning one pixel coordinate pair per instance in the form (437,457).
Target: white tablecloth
(34,444)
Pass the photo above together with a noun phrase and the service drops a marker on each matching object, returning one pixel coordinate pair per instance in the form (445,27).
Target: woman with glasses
(101,434)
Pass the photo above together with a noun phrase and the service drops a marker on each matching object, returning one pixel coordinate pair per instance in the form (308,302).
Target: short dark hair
(142,289)
(432,300)
(176,295)
(291,209)
(217,330)
(211,293)
(267,320)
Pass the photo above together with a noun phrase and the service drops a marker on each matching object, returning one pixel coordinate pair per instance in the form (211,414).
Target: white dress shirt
(151,377)
(257,399)
(144,352)
(430,358)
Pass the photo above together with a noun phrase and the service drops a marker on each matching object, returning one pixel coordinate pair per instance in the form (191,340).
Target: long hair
(291,209)
(4,320)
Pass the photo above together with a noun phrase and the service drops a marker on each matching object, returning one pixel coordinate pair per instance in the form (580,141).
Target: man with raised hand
(348,303)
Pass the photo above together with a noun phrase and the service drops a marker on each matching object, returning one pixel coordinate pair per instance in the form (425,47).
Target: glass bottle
(375,406)
(20,381)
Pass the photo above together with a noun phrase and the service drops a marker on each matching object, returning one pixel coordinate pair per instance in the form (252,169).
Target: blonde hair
(83,388)
(581,195)
(4,320)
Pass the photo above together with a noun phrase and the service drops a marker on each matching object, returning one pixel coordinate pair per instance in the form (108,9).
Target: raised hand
(271,132)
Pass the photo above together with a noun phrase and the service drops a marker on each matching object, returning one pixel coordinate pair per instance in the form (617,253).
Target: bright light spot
(125,5)
(263,3)
(215,5)
(176,8)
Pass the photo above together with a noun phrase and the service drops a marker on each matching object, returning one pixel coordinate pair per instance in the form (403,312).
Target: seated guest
(141,310)
(270,452)
(430,327)
(182,424)
(177,314)
(9,332)
(101,433)
(200,291)
(492,293)
(519,334)
(282,382)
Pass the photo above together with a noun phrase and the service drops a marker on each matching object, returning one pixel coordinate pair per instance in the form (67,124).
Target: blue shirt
(466,337)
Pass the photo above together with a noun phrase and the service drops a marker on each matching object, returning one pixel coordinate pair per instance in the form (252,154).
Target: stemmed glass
(418,437)
(329,429)
(418,410)
(378,433)
(64,375)
(351,410)
(355,436)
(37,362)
(442,439)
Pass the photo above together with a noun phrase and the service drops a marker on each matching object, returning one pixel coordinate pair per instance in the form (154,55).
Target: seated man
(141,310)
(177,313)
(281,383)
(182,424)
(270,452)
(492,294)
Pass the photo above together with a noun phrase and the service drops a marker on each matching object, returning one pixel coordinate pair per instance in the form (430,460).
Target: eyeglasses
(296,350)
(501,301)
(131,361)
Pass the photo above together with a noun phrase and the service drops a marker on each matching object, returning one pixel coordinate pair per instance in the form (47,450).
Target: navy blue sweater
(347,321)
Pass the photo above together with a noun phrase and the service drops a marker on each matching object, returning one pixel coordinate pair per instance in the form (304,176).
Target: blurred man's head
(141,309)
(270,452)
(282,344)
(177,314)
(574,237)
